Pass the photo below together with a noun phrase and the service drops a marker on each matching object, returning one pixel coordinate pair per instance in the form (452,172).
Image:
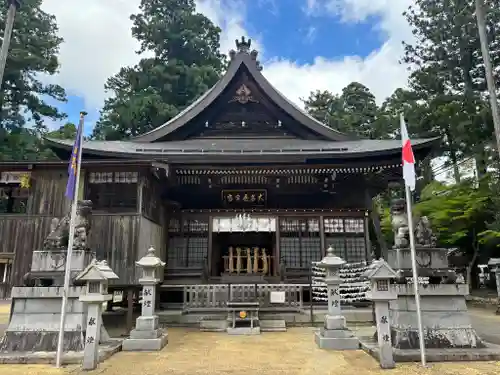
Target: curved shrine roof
(254,148)
(322,141)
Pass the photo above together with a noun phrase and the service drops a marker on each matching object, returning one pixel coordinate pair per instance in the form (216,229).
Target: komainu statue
(423,233)
(422,227)
(399,222)
(59,229)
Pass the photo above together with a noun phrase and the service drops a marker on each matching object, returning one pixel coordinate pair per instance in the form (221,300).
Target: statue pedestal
(444,314)
(48,266)
(36,315)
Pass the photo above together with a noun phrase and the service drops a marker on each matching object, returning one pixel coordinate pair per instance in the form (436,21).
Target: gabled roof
(379,269)
(248,59)
(96,271)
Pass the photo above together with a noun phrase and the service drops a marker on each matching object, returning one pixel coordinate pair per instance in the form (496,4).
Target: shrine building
(240,186)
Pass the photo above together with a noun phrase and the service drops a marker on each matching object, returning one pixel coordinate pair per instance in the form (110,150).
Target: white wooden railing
(216,296)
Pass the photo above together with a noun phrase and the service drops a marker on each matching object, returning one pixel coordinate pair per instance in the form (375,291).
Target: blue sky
(304,44)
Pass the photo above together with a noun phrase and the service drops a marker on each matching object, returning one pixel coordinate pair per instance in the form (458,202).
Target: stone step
(213,325)
(273,325)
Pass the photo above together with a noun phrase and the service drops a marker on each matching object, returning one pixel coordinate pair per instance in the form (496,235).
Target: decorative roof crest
(243,47)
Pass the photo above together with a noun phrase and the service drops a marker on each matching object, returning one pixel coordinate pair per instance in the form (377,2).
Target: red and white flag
(408,158)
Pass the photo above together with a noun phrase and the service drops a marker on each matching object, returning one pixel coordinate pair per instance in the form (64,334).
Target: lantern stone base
(146,336)
(335,335)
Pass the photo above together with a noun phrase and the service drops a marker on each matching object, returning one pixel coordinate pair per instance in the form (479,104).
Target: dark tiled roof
(266,146)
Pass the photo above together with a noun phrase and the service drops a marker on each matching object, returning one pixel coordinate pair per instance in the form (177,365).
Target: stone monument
(334,334)
(380,275)
(147,336)
(96,276)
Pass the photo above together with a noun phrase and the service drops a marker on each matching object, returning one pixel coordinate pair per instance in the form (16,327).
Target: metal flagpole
(415,275)
(7,34)
(67,272)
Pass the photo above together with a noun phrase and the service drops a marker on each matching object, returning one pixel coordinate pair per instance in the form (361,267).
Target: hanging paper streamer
(353,288)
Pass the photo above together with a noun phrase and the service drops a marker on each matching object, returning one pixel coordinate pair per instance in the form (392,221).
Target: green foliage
(448,76)
(33,53)
(353,112)
(67,131)
(186,62)
(459,213)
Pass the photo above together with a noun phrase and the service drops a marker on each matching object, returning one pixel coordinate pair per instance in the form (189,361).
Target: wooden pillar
(322,236)
(140,191)
(368,243)
(130,309)
(210,244)
(276,263)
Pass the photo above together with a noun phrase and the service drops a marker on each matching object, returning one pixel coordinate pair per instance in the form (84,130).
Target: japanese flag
(408,158)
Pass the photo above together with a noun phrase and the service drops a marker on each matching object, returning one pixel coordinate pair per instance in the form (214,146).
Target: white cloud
(98,42)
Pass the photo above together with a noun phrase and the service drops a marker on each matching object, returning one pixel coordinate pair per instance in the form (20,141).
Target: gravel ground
(191,352)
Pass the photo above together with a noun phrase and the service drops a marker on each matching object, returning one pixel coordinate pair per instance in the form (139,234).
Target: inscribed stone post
(96,276)
(380,274)
(92,337)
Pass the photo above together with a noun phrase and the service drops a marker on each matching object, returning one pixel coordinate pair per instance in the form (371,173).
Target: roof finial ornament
(244,45)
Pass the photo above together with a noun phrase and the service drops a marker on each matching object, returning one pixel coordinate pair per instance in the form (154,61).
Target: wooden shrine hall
(240,186)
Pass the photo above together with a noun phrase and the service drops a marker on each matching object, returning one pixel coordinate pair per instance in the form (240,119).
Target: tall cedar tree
(186,62)
(32,54)
(448,75)
(353,112)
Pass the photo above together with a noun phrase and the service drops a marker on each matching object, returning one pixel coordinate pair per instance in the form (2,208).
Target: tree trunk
(453,157)
(378,231)
(472,262)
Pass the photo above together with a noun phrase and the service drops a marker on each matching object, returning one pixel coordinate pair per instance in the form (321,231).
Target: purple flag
(73,162)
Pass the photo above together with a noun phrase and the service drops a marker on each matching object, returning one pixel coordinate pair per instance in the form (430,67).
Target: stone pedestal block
(146,336)
(444,316)
(335,335)
(36,315)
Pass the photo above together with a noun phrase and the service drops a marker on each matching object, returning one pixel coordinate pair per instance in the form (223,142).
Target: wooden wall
(115,239)
(121,239)
(47,193)
(21,235)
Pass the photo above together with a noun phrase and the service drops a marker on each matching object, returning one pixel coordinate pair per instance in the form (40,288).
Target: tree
(186,62)
(320,104)
(448,75)
(359,112)
(353,112)
(460,215)
(33,53)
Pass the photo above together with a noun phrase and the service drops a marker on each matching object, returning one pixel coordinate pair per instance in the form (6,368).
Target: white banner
(244,223)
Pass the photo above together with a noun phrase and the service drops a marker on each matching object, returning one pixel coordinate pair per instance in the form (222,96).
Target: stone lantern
(381,292)
(495,263)
(147,336)
(334,335)
(95,277)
